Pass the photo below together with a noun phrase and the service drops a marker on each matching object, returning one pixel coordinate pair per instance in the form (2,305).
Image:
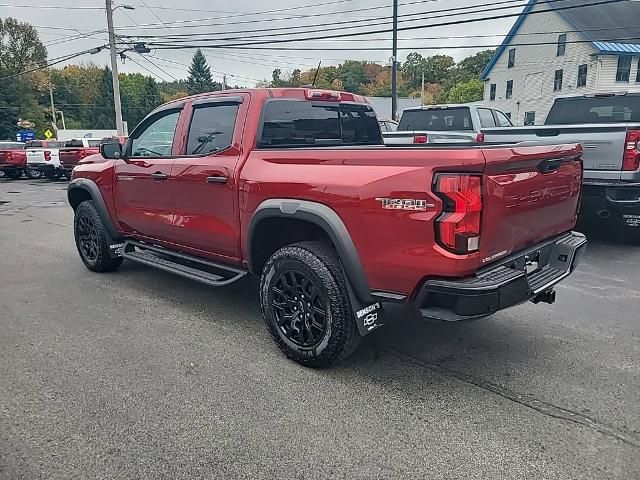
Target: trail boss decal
(404,204)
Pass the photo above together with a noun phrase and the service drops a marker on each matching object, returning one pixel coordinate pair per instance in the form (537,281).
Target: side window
(156,138)
(486,118)
(502,119)
(212,128)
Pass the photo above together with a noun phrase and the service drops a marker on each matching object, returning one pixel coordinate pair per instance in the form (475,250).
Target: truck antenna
(315,77)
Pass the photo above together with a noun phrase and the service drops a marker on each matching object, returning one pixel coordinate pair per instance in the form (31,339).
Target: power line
(414,27)
(149,70)
(50,7)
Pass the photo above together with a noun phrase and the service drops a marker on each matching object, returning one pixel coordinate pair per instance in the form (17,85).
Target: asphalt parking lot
(139,374)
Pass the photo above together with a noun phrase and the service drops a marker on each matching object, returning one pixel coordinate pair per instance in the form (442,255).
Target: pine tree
(102,115)
(199,79)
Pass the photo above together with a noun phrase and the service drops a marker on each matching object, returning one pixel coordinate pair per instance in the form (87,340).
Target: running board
(188,266)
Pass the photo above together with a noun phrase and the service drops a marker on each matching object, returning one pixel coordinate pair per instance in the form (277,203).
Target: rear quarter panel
(396,247)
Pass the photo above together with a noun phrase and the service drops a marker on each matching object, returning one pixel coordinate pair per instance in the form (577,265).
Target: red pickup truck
(13,159)
(296,186)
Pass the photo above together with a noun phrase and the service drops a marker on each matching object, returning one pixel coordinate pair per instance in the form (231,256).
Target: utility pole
(114,69)
(422,94)
(224,82)
(394,63)
(53,108)
(64,124)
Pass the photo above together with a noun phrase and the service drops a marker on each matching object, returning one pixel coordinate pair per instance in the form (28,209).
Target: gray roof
(613,22)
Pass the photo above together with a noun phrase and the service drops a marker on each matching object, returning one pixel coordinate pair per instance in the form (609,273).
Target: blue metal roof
(617,48)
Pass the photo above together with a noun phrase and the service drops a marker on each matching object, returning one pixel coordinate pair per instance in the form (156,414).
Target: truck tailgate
(531,193)
(603,143)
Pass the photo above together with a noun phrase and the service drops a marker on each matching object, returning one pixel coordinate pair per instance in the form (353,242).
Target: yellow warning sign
(48,133)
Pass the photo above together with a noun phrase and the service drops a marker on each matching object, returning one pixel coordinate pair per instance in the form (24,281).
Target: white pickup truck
(445,124)
(43,158)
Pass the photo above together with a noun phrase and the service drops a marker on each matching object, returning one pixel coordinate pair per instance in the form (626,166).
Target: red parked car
(296,186)
(13,159)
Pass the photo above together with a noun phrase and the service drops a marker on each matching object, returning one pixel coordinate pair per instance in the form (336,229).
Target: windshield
(602,109)
(436,119)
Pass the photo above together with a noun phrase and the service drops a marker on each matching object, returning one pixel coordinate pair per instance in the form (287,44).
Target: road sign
(48,134)
(25,135)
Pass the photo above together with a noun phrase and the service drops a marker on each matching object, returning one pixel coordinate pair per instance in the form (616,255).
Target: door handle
(217,179)
(159,176)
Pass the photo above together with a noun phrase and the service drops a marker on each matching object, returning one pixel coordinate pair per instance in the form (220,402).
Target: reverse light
(631,158)
(322,95)
(458,227)
(420,139)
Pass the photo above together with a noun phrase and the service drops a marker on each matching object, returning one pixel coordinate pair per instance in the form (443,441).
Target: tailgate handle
(551,165)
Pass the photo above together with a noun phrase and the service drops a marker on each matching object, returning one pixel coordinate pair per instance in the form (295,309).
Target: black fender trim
(93,190)
(331,223)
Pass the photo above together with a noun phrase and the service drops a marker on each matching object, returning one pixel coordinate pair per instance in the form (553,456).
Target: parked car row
(51,159)
(606,125)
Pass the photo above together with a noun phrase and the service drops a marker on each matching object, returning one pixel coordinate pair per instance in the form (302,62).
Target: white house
(562,52)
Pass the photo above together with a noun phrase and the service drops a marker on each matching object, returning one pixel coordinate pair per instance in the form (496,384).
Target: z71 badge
(404,204)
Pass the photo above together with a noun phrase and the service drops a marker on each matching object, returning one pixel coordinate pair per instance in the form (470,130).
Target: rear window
(605,109)
(35,144)
(304,123)
(73,143)
(436,119)
(11,146)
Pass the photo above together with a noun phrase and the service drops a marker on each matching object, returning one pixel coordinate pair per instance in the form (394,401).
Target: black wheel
(91,239)
(67,174)
(32,174)
(2,174)
(13,174)
(305,304)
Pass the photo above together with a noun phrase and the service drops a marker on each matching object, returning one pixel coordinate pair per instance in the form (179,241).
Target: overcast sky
(245,66)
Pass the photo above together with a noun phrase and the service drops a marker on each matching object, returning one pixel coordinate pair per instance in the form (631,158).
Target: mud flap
(368,317)
(115,249)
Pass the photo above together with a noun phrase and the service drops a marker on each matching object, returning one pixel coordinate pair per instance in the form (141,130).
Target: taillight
(420,139)
(47,156)
(631,159)
(480,138)
(83,153)
(458,227)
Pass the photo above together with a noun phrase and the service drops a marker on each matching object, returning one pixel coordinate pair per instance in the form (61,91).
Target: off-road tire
(318,262)
(87,223)
(32,174)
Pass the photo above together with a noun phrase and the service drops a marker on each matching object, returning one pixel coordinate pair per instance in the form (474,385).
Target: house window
(562,45)
(512,58)
(557,82)
(582,75)
(492,91)
(509,92)
(529,118)
(624,69)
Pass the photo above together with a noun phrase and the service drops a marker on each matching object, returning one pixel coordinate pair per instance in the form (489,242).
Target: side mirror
(111,151)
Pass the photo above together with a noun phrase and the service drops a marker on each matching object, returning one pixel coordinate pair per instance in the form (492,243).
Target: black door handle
(159,176)
(217,179)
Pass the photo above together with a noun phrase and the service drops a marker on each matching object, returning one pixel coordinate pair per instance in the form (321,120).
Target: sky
(70,26)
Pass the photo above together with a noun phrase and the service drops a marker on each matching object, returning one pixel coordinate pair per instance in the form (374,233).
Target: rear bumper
(613,196)
(503,285)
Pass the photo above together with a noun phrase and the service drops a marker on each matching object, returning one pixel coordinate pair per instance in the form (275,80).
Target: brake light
(47,156)
(420,139)
(458,227)
(631,159)
(322,95)
(83,153)
(480,138)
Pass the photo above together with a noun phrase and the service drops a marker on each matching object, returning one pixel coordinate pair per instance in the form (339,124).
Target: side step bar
(188,266)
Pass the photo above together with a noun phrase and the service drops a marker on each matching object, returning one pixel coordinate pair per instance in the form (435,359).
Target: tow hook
(546,297)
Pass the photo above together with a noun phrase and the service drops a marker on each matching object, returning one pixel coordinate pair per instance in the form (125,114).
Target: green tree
(437,68)
(20,50)
(470,91)
(474,65)
(140,95)
(102,115)
(199,79)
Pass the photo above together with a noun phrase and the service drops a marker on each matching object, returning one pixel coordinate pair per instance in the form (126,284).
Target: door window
(486,118)
(156,138)
(212,128)
(503,119)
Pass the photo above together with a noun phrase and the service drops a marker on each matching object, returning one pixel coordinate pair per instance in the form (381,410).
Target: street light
(114,64)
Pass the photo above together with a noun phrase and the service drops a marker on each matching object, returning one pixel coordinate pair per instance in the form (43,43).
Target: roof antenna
(315,77)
